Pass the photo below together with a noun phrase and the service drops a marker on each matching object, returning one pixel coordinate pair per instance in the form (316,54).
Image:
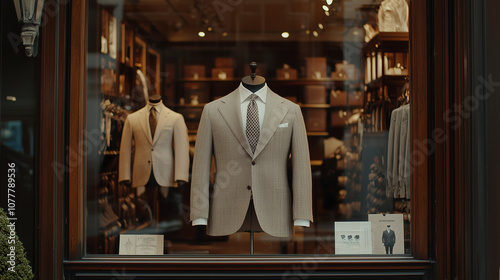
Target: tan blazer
(239,174)
(167,153)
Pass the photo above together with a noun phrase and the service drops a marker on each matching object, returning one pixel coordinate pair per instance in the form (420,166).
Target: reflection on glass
(186,57)
(11,135)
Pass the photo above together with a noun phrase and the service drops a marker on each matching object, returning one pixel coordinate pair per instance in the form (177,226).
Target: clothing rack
(398,156)
(404,98)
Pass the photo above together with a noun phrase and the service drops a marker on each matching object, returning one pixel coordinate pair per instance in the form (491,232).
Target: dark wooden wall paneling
(419,69)
(52,128)
(489,226)
(452,163)
(76,138)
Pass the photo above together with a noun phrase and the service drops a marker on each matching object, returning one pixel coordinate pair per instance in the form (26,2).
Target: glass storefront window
(342,84)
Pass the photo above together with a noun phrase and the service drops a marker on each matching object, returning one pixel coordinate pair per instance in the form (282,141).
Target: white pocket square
(283,125)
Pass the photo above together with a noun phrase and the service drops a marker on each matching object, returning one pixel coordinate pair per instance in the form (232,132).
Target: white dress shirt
(245,99)
(261,104)
(157,108)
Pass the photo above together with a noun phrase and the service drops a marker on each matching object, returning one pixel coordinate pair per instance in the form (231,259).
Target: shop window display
(176,160)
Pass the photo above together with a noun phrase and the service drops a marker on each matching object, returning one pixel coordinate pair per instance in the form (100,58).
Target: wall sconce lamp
(29,12)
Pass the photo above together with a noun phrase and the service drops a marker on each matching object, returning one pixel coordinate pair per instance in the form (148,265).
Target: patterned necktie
(152,121)
(253,127)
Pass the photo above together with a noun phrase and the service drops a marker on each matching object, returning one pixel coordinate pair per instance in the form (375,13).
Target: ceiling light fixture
(327,13)
(224,34)
(325,7)
(315,33)
(201,34)
(209,28)
(320,25)
(285,34)
(329,2)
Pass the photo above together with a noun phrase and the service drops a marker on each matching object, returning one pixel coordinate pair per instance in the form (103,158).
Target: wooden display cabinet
(386,58)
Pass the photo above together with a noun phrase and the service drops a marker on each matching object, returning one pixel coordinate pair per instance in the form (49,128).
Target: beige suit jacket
(167,154)
(241,174)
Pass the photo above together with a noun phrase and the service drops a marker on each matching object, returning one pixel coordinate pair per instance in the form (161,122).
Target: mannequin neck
(155,99)
(254,84)
(253,88)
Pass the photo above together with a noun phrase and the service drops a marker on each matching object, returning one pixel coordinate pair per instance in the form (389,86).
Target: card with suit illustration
(387,233)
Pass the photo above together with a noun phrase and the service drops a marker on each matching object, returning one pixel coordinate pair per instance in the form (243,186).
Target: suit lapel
(145,123)
(162,120)
(230,111)
(275,112)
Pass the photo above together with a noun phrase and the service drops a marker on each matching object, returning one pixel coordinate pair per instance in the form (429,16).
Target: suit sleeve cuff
(301,223)
(200,222)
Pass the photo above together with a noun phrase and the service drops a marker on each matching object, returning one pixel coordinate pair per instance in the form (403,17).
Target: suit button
(249,188)
(253,162)
(152,150)
(149,161)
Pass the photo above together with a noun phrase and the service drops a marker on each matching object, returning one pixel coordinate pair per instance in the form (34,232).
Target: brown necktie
(152,121)
(253,127)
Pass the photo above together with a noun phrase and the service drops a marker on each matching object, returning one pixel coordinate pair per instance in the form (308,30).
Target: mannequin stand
(251,230)
(253,83)
(156,207)
(152,199)
(251,242)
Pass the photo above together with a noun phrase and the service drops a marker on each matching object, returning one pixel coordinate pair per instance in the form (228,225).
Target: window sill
(244,263)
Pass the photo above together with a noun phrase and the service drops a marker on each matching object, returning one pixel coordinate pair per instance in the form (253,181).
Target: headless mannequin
(253,83)
(154,155)
(149,192)
(154,100)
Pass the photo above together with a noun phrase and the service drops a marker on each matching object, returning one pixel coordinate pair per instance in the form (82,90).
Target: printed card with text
(387,233)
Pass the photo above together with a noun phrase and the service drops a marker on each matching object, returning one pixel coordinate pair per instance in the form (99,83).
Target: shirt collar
(245,93)
(157,106)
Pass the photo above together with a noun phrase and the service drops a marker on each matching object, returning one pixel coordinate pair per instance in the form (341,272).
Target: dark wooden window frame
(436,84)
